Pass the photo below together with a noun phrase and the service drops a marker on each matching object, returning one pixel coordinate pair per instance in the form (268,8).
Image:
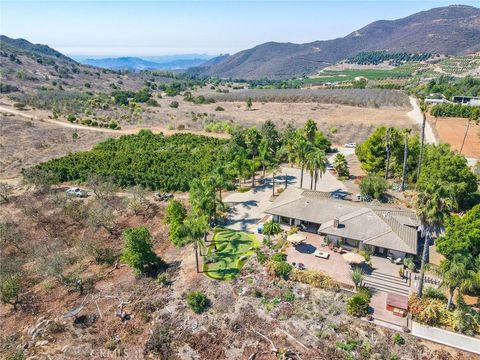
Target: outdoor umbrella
(354,258)
(296,238)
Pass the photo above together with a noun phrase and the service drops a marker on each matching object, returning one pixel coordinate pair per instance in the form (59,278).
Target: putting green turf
(230,246)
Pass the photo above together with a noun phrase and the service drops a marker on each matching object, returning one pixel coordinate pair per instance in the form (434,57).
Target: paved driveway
(249,207)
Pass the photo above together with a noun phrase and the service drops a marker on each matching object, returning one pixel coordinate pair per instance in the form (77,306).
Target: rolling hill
(136,63)
(450,30)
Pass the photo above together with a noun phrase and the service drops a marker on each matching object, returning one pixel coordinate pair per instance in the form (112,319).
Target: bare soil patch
(452,131)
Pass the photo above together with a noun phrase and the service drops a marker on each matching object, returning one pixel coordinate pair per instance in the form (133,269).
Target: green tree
(270,133)
(340,165)
(450,172)
(373,186)
(264,155)
(432,209)
(271,228)
(357,275)
(175,212)
(301,148)
(423,109)
(457,274)
(249,103)
(316,163)
(461,236)
(194,230)
(406,134)
(137,249)
(310,129)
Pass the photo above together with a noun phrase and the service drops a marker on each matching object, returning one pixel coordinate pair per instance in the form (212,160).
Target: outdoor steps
(387,283)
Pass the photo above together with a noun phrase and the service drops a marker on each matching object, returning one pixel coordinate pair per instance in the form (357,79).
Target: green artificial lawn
(230,246)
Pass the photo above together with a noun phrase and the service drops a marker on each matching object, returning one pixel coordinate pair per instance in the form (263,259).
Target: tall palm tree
(457,275)
(423,109)
(264,155)
(387,149)
(406,135)
(194,229)
(274,168)
(316,162)
(301,148)
(252,166)
(310,129)
(432,209)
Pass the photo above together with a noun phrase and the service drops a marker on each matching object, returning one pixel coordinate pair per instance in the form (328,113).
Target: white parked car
(351,145)
(75,191)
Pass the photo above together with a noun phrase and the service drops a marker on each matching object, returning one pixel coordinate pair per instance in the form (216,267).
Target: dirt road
(127,131)
(416,115)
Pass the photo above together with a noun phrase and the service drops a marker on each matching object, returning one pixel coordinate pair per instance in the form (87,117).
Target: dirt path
(127,131)
(416,115)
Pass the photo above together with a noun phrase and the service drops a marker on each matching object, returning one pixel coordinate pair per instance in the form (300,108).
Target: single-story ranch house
(387,230)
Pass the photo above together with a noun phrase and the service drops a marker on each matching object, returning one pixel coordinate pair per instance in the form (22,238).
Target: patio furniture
(296,239)
(398,261)
(354,258)
(321,254)
(341,250)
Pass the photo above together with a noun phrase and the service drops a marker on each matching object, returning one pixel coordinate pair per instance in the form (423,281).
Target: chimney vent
(336,222)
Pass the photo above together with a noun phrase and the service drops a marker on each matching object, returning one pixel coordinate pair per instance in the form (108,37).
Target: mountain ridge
(447,30)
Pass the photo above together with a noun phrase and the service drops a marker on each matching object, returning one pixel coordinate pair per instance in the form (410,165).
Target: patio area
(335,266)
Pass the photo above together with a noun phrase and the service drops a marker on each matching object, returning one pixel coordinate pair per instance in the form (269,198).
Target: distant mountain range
(173,62)
(450,30)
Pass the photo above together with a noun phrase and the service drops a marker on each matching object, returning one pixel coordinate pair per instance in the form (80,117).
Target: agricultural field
(375,98)
(461,65)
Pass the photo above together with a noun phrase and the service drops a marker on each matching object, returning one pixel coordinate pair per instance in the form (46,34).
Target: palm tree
(357,276)
(387,148)
(474,114)
(432,209)
(406,134)
(274,168)
(263,155)
(195,228)
(271,228)
(316,162)
(252,166)
(340,164)
(310,129)
(301,148)
(457,275)
(423,109)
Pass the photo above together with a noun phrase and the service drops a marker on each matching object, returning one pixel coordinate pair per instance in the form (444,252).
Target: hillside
(30,68)
(447,30)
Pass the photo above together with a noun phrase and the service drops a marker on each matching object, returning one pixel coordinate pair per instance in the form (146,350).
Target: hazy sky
(148,28)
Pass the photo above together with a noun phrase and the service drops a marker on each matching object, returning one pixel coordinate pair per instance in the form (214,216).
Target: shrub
(279,268)
(104,255)
(197,301)
(313,278)
(175,212)
(137,249)
(434,293)
(174,104)
(373,186)
(288,296)
(358,304)
(261,256)
(408,262)
(429,311)
(71,118)
(398,339)
(219,108)
(10,289)
(279,257)
(152,102)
